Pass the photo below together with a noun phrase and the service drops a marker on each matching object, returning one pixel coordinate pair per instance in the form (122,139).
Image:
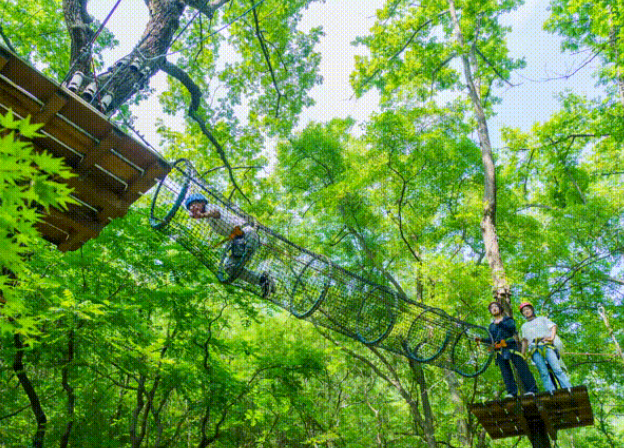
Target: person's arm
(553,333)
(214,213)
(525,345)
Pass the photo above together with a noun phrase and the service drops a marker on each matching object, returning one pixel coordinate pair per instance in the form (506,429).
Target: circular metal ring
(388,308)
(463,336)
(416,351)
(161,223)
(300,284)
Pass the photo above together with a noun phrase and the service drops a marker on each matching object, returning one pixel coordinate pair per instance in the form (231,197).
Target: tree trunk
(502,290)
(131,73)
(463,431)
(613,41)
(69,390)
(77,21)
(35,403)
(427,420)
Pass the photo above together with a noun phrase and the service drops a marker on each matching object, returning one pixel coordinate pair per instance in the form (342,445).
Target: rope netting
(244,253)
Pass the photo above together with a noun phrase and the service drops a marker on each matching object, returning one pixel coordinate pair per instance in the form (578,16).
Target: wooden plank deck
(113,170)
(562,409)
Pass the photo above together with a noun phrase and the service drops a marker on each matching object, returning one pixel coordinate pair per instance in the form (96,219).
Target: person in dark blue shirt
(508,350)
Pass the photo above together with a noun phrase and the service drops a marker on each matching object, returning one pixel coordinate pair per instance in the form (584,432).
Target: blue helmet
(195,197)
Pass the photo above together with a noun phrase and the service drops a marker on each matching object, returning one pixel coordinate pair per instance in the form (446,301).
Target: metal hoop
(359,319)
(319,299)
(462,372)
(412,353)
(159,224)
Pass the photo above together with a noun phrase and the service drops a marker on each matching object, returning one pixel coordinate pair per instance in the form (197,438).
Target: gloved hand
(501,344)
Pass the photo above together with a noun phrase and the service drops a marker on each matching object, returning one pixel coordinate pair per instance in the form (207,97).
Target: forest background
(131,342)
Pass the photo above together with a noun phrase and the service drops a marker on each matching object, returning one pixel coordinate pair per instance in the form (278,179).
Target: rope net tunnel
(246,254)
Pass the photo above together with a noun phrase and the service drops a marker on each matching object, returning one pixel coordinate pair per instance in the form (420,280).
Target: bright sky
(530,101)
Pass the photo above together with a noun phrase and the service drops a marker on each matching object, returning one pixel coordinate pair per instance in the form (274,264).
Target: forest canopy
(130,341)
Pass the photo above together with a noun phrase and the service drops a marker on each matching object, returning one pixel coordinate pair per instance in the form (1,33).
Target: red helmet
(523,304)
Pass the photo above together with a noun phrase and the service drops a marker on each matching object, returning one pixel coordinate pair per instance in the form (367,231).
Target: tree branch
(196,94)
(493,67)
(416,256)
(265,52)
(207,8)
(69,390)
(6,40)
(31,393)
(404,47)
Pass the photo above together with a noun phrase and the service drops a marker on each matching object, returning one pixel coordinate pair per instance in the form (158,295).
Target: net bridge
(246,254)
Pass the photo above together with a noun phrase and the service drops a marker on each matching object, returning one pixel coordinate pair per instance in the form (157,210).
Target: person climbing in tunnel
(540,340)
(503,339)
(243,238)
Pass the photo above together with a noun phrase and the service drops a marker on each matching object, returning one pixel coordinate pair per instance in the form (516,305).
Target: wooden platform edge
(563,409)
(113,168)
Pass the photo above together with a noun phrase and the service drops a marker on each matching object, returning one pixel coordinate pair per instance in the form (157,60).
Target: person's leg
(542,368)
(553,361)
(524,373)
(234,263)
(249,276)
(508,378)
(265,280)
(242,249)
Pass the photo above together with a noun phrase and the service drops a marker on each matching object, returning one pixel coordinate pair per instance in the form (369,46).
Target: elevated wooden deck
(113,169)
(515,417)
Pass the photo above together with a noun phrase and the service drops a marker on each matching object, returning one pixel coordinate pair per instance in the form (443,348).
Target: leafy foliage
(131,342)
(28,186)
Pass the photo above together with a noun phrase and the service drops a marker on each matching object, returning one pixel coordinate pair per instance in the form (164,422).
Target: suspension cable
(83,50)
(227,25)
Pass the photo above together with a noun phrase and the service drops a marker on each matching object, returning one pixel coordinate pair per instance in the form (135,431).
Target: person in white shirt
(243,240)
(539,339)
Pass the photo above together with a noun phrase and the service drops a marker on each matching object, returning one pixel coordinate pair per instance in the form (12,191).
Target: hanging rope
(244,253)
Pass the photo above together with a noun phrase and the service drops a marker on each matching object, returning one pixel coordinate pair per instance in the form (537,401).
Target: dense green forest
(130,341)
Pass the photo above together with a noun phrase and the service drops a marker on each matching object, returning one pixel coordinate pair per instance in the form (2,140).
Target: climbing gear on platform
(505,348)
(540,346)
(75,82)
(500,345)
(236,233)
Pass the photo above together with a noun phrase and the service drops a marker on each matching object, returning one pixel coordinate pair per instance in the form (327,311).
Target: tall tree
(270,65)
(412,49)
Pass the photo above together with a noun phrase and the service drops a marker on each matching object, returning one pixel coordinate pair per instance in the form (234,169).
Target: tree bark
(78,20)
(33,398)
(463,431)
(69,390)
(428,419)
(135,438)
(502,291)
(130,74)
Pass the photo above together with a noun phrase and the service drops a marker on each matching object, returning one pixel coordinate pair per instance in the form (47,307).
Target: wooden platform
(113,169)
(515,417)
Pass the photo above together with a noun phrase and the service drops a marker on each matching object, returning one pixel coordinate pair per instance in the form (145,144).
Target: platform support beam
(538,435)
